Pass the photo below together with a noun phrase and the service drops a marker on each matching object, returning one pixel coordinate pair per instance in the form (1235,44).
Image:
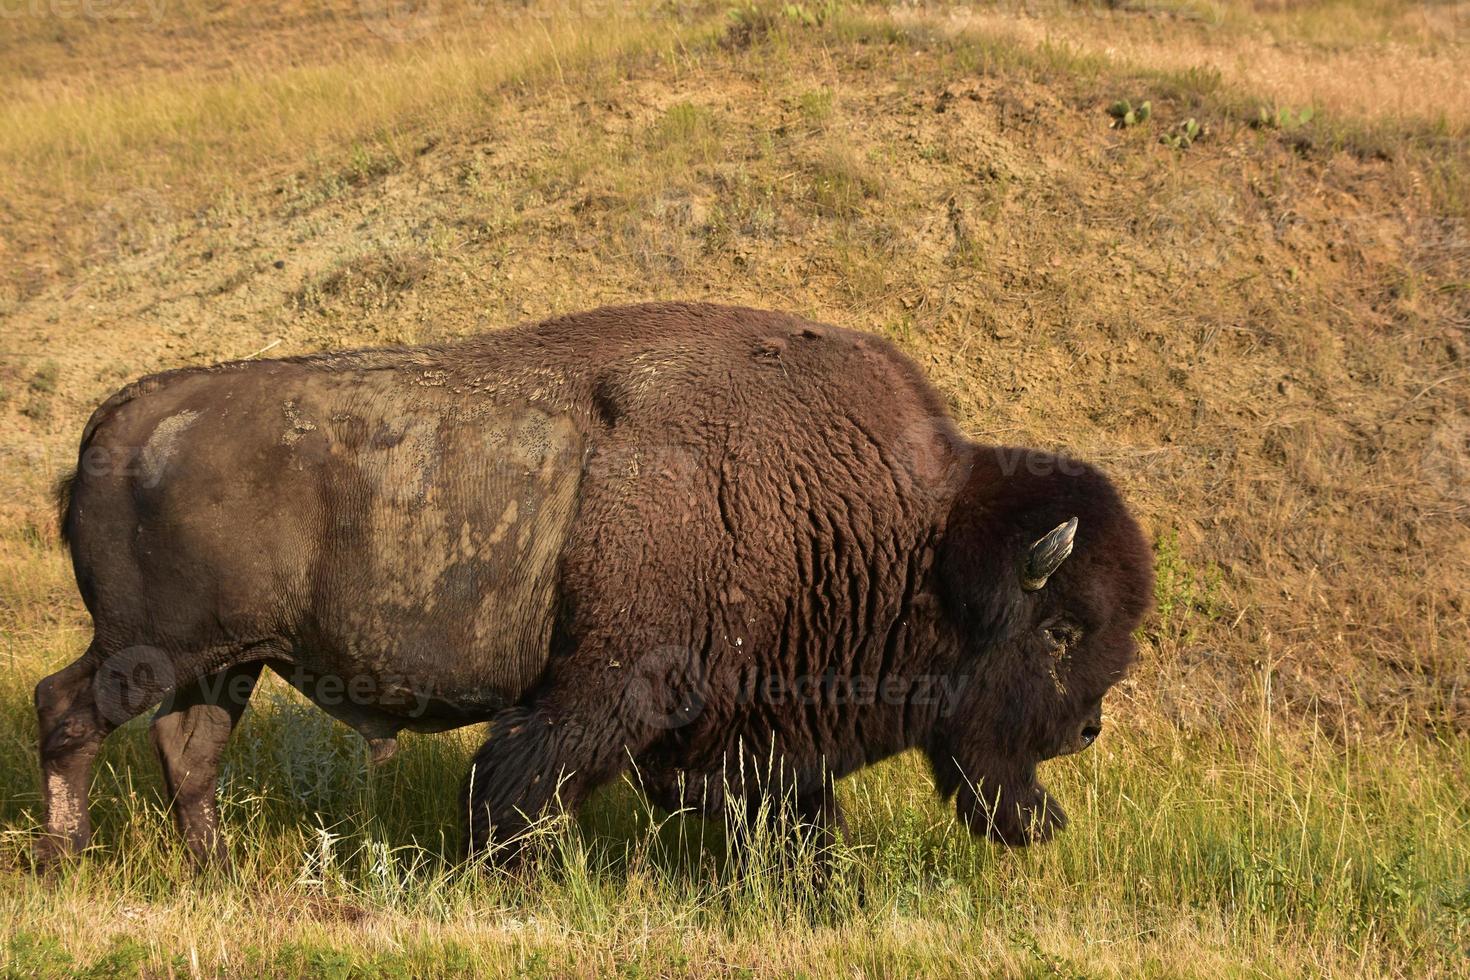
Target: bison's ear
(1047,555)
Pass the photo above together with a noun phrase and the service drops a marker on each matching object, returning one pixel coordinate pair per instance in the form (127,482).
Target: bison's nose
(1090,732)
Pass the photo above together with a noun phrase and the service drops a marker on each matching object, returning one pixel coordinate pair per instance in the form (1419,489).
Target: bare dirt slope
(1262,335)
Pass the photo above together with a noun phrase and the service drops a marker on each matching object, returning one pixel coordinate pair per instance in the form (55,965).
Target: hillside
(1261,335)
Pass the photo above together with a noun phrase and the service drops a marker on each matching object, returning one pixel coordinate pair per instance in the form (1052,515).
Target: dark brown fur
(616,536)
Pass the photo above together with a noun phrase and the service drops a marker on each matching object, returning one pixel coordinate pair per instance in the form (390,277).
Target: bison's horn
(1047,555)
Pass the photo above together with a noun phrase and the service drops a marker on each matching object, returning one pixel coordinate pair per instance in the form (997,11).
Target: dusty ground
(1262,336)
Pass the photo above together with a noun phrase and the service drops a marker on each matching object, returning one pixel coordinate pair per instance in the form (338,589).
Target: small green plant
(367,163)
(815,106)
(842,181)
(751,21)
(44,380)
(1283,118)
(42,386)
(1126,115)
(374,280)
(808,15)
(681,123)
(1183,136)
(1182,590)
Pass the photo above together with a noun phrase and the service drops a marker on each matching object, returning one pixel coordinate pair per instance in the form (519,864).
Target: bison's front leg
(802,821)
(820,823)
(1002,802)
(1015,816)
(546,755)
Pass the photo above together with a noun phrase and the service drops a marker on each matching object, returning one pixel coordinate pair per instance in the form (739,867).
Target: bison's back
(716,482)
(353,520)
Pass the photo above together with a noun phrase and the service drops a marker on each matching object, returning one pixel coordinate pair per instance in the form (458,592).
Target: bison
(692,538)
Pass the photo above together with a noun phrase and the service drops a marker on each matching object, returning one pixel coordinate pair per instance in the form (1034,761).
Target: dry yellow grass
(1400,61)
(1261,336)
(95,136)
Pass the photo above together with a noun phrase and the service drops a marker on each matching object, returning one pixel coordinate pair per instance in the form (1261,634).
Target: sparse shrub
(368,163)
(815,106)
(1196,82)
(1125,114)
(365,163)
(841,181)
(1282,118)
(746,206)
(30,954)
(44,380)
(684,133)
(750,21)
(124,957)
(1183,136)
(42,386)
(372,281)
(1183,591)
(237,278)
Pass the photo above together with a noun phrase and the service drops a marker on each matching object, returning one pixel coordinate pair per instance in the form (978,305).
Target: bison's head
(1044,577)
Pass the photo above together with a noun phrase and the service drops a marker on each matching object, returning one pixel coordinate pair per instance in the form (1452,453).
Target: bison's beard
(1004,803)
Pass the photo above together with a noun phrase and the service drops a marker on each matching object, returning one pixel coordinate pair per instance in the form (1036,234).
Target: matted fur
(748,552)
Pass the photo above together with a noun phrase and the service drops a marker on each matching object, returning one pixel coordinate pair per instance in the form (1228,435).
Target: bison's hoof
(1032,820)
(1044,820)
(51,852)
(1037,823)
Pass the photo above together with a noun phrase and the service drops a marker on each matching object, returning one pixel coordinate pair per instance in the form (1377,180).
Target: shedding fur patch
(63,810)
(162,445)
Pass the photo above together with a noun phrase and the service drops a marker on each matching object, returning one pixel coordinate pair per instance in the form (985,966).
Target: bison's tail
(64,488)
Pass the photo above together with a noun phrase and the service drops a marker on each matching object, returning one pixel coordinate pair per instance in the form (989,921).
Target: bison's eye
(1059,635)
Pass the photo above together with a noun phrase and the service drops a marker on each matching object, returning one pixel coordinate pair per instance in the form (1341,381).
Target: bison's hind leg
(71,731)
(189,733)
(80,705)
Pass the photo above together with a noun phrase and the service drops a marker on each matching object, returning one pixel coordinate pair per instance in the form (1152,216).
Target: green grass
(1248,845)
